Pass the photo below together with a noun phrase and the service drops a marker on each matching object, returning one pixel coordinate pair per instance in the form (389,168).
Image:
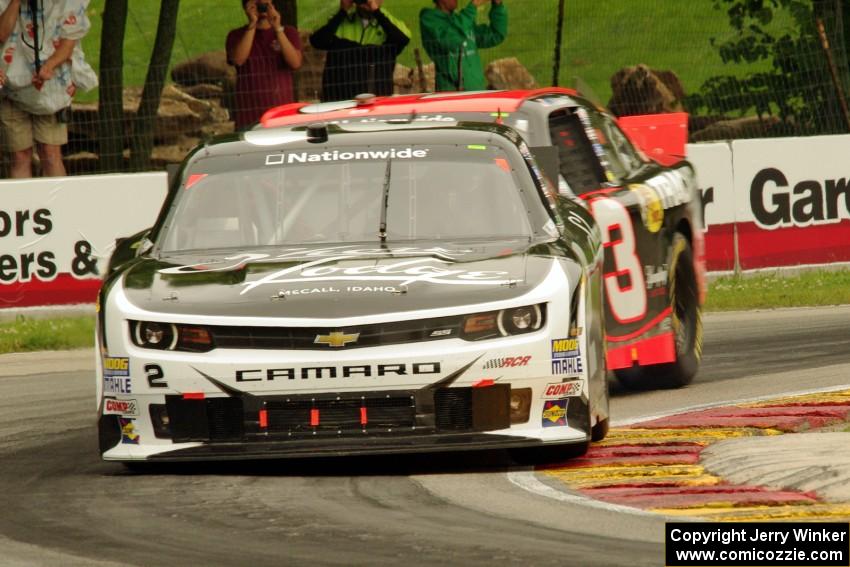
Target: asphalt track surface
(61,506)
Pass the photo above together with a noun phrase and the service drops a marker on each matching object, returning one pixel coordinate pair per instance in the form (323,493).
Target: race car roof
(275,139)
(479,101)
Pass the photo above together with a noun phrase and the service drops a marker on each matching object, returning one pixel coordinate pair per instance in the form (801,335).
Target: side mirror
(129,248)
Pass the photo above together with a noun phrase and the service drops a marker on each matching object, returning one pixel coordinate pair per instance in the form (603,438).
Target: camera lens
(262,8)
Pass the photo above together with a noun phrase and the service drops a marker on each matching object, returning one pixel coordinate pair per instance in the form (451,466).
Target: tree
(796,86)
(141,144)
(111,104)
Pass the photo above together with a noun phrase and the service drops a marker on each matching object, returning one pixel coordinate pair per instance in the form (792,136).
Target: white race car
(374,289)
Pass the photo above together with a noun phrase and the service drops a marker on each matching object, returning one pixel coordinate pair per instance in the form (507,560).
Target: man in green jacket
(452,40)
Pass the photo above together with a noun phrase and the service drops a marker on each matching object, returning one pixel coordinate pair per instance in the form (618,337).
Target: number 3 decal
(627,300)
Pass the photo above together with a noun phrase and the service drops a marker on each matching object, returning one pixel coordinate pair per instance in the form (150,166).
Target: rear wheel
(683,292)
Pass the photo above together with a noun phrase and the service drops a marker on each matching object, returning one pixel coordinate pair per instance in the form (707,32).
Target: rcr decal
(336,155)
(507,362)
(808,203)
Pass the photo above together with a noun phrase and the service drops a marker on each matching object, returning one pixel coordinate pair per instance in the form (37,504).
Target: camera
(360,2)
(263,8)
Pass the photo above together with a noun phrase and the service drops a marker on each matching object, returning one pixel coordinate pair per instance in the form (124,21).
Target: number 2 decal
(156,377)
(627,299)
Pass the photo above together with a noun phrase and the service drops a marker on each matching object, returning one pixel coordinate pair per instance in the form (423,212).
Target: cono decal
(562,390)
(112,406)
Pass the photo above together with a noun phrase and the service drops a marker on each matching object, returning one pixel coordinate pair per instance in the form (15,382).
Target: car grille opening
(266,418)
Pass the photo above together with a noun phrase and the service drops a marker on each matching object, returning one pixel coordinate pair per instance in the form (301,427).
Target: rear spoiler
(662,137)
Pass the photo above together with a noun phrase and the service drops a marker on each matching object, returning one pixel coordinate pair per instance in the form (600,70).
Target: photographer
(40,79)
(266,54)
(452,40)
(363,41)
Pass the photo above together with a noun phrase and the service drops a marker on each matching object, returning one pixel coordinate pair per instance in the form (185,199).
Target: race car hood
(335,281)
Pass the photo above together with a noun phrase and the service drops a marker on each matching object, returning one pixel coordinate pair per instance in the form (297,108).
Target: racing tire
(600,430)
(549,454)
(683,292)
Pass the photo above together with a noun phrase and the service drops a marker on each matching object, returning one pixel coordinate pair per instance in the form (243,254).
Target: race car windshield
(437,192)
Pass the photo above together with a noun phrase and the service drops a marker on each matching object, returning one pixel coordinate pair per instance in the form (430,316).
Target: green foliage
(772,290)
(25,334)
(796,87)
(599,38)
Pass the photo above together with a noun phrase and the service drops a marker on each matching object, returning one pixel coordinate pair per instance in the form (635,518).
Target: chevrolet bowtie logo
(336,339)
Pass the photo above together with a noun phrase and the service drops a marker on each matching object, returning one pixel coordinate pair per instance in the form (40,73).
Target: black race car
(648,212)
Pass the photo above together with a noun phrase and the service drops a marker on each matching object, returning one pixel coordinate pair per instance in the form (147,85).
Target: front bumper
(256,427)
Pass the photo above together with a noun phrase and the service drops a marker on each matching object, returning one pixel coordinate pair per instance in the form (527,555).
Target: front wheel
(549,454)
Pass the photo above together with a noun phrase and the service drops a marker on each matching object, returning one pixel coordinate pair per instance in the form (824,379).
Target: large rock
(210,67)
(508,74)
(415,80)
(746,127)
(641,90)
(182,121)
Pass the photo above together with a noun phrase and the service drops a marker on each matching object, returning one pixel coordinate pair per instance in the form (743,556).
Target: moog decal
(566,357)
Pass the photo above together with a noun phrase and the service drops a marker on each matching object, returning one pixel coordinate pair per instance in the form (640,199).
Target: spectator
(40,79)
(362,43)
(452,40)
(265,54)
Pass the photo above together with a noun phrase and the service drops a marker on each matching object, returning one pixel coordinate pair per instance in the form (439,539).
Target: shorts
(21,128)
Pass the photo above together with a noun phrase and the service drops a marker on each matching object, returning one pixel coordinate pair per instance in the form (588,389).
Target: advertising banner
(56,234)
(792,201)
(713,164)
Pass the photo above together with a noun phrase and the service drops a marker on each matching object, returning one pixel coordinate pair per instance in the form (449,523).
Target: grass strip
(729,293)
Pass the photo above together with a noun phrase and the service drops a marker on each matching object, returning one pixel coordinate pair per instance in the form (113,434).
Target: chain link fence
(740,72)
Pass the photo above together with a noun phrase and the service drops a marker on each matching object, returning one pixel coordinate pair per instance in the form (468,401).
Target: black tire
(600,430)
(549,454)
(683,291)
